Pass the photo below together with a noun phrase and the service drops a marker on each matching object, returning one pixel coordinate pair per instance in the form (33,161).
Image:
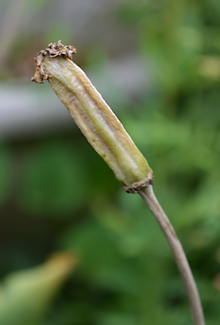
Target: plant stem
(150,199)
(109,138)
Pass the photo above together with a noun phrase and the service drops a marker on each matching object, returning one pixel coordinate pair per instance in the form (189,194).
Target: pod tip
(53,50)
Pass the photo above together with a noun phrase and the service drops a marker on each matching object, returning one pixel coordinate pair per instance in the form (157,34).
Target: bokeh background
(157,64)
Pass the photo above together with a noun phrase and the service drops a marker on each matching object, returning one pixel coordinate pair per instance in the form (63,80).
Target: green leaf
(55,180)
(26,295)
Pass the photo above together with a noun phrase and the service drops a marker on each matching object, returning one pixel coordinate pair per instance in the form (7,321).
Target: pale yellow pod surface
(95,119)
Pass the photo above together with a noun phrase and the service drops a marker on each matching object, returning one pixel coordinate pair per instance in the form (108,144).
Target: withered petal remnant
(53,50)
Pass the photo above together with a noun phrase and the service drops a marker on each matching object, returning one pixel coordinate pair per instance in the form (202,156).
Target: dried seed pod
(93,116)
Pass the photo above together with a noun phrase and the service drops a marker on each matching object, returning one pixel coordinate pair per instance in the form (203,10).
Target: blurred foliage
(5,172)
(26,294)
(126,273)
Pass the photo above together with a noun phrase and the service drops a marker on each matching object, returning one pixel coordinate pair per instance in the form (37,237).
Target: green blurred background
(157,64)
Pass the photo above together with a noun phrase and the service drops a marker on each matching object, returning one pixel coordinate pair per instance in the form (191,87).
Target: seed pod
(93,116)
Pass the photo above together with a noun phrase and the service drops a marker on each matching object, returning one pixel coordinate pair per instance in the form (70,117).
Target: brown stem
(188,281)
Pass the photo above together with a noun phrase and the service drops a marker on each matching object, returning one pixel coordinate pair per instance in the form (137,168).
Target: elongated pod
(93,116)
(108,137)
